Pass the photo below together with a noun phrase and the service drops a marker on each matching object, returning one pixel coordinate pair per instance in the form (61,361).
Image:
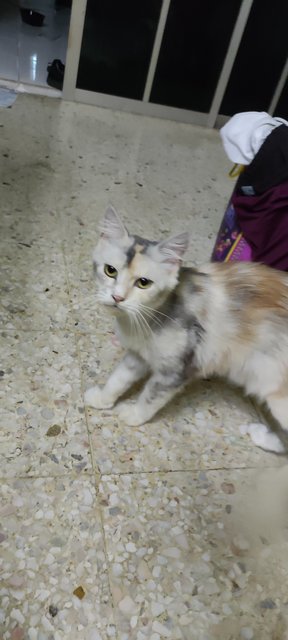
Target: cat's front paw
(95,397)
(130,414)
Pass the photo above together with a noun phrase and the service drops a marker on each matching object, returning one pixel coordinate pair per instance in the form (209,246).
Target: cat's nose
(118,298)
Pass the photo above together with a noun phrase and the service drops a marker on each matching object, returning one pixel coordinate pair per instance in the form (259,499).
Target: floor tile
(167,445)
(34,292)
(183,565)
(51,538)
(43,422)
(26,226)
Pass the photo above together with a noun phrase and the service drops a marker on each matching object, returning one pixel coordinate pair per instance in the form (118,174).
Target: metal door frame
(144,107)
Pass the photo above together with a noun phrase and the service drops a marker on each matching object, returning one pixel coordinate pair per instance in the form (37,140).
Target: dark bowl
(34,18)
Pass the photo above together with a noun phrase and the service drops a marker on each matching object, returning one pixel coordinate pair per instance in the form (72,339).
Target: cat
(178,324)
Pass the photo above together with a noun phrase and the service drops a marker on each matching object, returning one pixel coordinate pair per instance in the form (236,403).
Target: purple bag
(230,244)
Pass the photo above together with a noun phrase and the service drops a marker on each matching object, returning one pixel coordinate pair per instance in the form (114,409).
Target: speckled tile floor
(177,529)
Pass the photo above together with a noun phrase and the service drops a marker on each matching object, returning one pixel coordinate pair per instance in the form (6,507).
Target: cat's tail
(264,438)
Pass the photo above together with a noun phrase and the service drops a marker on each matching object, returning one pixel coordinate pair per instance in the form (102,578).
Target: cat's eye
(110,271)
(143,283)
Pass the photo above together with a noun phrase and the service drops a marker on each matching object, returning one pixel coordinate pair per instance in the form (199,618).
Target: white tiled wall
(25,51)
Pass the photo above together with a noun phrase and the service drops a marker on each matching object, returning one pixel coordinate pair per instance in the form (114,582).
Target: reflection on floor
(177,529)
(26,50)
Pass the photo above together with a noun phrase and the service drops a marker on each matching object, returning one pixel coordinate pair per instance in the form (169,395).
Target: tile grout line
(95,467)
(108,563)
(101,475)
(184,471)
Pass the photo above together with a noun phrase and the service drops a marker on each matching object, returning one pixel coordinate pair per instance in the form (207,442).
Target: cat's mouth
(113,306)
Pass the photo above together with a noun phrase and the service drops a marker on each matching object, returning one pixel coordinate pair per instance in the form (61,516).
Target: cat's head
(132,271)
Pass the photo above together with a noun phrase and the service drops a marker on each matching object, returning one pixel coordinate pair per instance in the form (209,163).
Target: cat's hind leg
(131,369)
(278,405)
(264,438)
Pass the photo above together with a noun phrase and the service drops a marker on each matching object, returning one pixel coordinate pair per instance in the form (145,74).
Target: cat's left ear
(172,250)
(111,226)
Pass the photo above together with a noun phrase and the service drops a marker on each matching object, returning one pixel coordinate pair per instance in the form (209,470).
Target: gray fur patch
(174,310)
(194,327)
(138,241)
(130,253)
(190,368)
(144,242)
(170,381)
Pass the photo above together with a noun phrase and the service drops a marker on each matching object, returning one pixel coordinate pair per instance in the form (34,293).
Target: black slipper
(55,76)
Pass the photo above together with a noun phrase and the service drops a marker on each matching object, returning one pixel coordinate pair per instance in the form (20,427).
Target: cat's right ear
(111,227)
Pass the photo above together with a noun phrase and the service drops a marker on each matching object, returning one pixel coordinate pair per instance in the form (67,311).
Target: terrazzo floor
(177,529)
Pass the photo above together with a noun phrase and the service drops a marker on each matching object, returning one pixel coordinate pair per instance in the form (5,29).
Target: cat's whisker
(157,312)
(142,327)
(131,315)
(134,326)
(149,312)
(86,304)
(97,296)
(130,322)
(147,330)
(142,322)
(101,297)
(150,315)
(138,328)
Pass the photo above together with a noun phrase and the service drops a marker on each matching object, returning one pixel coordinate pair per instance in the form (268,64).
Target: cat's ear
(111,226)
(172,250)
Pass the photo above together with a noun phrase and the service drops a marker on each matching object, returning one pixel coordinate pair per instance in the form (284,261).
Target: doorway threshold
(23,87)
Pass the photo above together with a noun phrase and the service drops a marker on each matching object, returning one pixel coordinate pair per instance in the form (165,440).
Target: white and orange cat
(179,323)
